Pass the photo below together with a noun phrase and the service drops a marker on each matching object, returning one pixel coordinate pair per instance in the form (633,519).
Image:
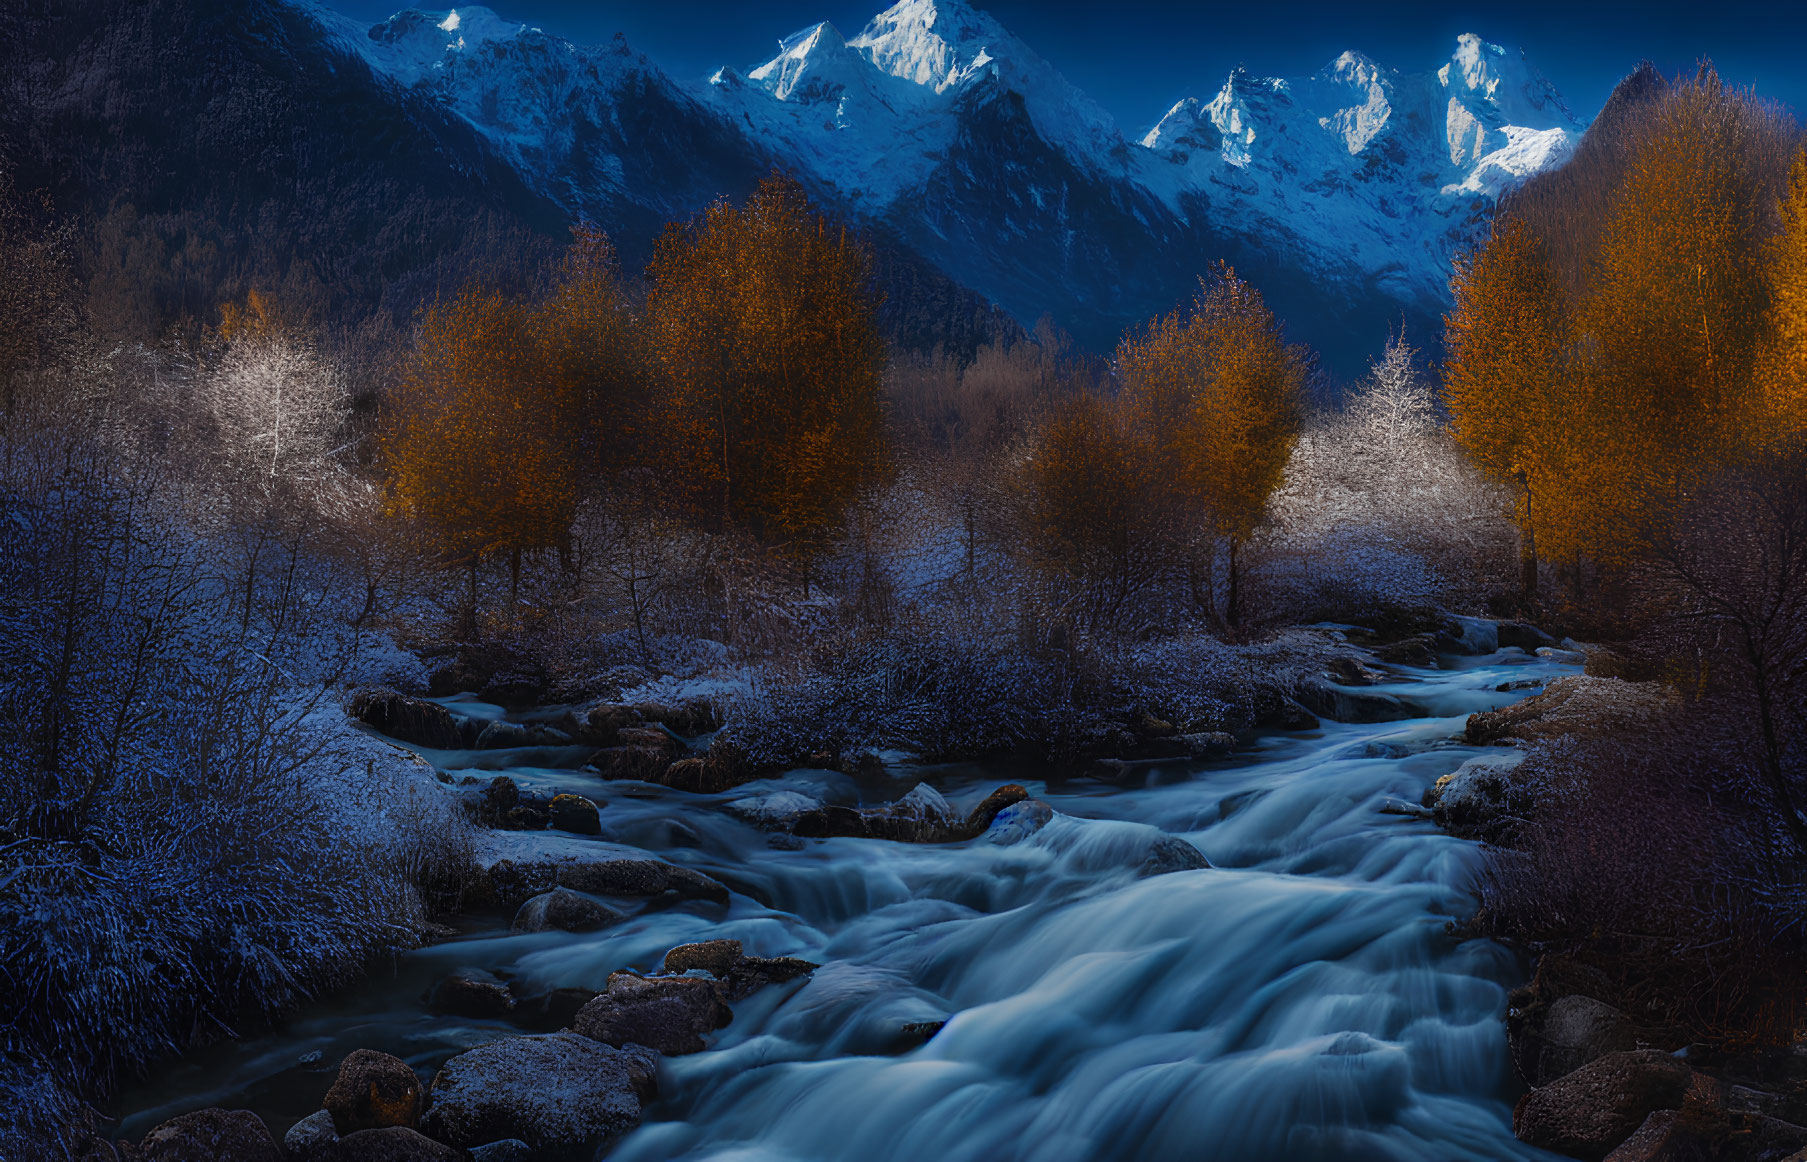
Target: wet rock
(1348,671)
(1589,1112)
(1419,651)
(472,992)
(1345,704)
(373,1090)
(1469,635)
(921,1031)
(1479,795)
(601,724)
(511,883)
(1284,714)
(309,1138)
(1573,1031)
(690,717)
(669,1014)
(1525,637)
(575,814)
(922,816)
(211,1135)
(715,957)
(1562,657)
(1172,854)
(507,1150)
(391,1144)
(1212,744)
(1019,821)
(784,841)
(643,764)
(561,1094)
(501,734)
(526,817)
(407,719)
(777,809)
(554,1010)
(753,973)
(563,910)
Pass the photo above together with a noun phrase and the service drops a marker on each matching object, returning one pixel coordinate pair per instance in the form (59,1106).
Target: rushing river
(1304,999)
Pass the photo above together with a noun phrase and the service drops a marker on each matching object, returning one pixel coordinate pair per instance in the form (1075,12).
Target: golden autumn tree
(590,356)
(1506,338)
(1092,507)
(1673,315)
(477,445)
(762,324)
(1782,374)
(1218,394)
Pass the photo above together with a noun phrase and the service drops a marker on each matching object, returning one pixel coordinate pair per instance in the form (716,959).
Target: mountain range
(970,159)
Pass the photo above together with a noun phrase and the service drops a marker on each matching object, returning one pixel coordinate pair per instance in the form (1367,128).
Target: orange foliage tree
(1783,366)
(590,356)
(477,444)
(763,330)
(1506,340)
(1218,395)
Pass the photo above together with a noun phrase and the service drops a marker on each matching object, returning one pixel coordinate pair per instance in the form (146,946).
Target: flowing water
(1306,998)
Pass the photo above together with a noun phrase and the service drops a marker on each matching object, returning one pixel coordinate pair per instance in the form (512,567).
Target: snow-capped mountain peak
(413,45)
(811,65)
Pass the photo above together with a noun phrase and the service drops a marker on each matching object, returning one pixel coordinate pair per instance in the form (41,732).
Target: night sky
(1137,57)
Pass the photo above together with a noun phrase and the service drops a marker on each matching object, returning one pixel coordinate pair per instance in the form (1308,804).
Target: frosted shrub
(1380,507)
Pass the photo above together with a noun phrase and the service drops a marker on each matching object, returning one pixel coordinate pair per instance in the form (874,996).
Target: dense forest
(227,522)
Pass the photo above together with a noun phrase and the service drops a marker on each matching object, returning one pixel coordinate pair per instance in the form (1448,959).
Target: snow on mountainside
(940,125)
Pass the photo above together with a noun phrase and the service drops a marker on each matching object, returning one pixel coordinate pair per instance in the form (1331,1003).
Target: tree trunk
(1527,551)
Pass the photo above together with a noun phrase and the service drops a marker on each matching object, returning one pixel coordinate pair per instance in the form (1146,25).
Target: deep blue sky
(1137,57)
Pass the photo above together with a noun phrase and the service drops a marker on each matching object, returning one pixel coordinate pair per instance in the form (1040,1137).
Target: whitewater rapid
(1308,997)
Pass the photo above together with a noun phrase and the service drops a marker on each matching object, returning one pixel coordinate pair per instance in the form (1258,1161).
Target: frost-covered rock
(519,865)
(774,810)
(1562,657)
(1576,704)
(1478,794)
(1019,821)
(309,1138)
(561,1093)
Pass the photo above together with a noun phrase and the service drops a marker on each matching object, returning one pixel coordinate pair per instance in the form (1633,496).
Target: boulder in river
(473,992)
(371,1091)
(406,719)
(1522,635)
(738,975)
(560,1093)
(510,882)
(1019,821)
(1479,795)
(211,1135)
(309,1138)
(667,1013)
(922,816)
(715,957)
(562,910)
(575,814)
(1588,1112)
(1169,853)
(1575,704)
(1349,704)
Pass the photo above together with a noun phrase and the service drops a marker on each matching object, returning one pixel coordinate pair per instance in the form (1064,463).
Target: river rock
(1171,854)
(391,1144)
(1573,1031)
(1419,651)
(561,1094)
(308,1138)
(1019,821)
(407,719)
(1345,704)
(575,814)
(669,1014)
(1562,657)
(1525,637)
(500,734)
(563,910)
(211,1135)
(752,973)
(922,816)
(1587,1113)
(1478,795)
(373,1090)
(777,809)
(511,882)
(473,992)
(601,724)
(715,957)
(689,717)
